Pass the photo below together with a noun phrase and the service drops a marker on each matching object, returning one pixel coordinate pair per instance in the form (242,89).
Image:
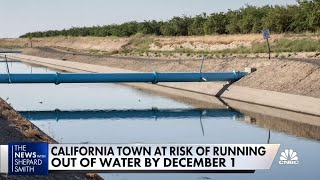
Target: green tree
(233,18)
(197,25)
(251,21)
(216,24)
(302,17)
(278,19)
(177,26)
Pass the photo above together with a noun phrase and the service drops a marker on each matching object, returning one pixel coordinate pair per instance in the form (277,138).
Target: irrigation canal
(113,113)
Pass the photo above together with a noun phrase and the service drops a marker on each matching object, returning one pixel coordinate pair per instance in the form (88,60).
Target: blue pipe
(153,77)
(129,114)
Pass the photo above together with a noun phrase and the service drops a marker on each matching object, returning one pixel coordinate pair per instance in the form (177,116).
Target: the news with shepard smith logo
(28,159)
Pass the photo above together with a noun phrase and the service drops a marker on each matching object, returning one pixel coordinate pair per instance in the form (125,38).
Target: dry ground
(162,46)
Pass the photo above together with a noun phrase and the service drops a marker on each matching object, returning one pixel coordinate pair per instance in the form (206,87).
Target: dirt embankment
(15,128)
(247,45)
(109,44)
(299,76)
(75,43)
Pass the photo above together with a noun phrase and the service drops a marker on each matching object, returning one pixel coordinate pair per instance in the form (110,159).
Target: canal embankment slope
(287,85)
(15,128)
(292,76)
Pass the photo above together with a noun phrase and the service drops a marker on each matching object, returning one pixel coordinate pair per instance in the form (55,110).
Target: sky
(21,16)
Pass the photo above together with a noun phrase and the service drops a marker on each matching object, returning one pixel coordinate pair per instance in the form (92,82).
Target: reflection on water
(291,127)
(135,126)
(99,113)
(129,114)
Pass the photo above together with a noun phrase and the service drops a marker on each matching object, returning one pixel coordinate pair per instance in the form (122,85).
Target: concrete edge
(284,101)
(296,117)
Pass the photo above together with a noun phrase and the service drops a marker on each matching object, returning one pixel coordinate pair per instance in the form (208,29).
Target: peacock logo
(289,156)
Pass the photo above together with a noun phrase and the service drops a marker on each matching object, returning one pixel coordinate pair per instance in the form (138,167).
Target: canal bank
(15,128)
(200,92)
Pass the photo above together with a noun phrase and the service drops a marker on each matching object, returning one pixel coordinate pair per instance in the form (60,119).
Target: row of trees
(302,17)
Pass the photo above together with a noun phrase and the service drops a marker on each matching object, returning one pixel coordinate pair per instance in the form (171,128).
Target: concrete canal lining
(196,91)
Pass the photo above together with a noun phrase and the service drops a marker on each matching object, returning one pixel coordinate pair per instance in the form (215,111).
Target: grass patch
(281,45)
(296,45)
(158,44)
(9,46)
(184,50)
(138,43)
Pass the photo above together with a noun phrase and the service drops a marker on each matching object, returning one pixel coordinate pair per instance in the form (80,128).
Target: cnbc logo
(289,156)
